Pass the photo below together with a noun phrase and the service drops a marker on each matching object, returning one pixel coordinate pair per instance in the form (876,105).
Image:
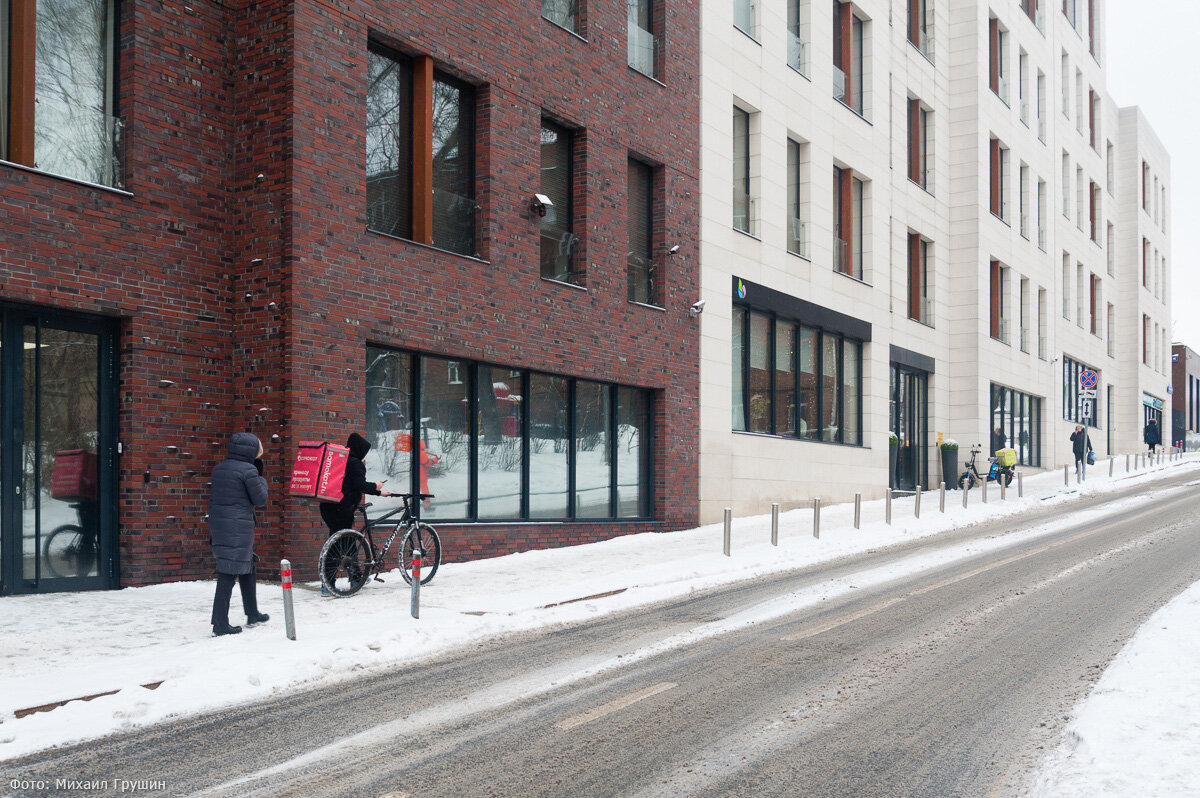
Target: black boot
(226,630)
(257,618)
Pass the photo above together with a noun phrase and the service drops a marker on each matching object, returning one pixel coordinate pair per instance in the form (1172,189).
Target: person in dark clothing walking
(1152,435)
(340,515)
(237,488)
(1081,444)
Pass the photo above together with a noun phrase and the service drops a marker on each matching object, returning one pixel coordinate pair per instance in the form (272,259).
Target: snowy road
(865,676)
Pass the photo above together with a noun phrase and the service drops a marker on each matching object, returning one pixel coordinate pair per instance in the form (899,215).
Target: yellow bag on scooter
(1006,457)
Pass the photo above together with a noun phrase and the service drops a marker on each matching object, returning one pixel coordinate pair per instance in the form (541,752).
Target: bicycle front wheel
(425,538)
(345,563)
(67,552)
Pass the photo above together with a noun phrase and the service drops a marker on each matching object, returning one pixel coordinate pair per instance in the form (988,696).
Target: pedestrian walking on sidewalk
(237,488)
(1081,444)
(1152,435)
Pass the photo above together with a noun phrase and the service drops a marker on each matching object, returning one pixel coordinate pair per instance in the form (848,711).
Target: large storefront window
(493,443)
(1017,424)
(795,380)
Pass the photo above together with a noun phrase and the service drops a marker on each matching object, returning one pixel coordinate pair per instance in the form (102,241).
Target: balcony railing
(454,218)
(1042,238)
(1024,339)
(1067,308)
(1002,89)
(1003,325)
(743,212)
(1043,349)
(743,16)
(1025,225)
(841,256)
(1041,129)
(797,54)
(1025,110)
(839,84)
(642,46)
(642,279)
(798,237)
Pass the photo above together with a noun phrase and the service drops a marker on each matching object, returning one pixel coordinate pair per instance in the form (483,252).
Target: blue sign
(1087,379)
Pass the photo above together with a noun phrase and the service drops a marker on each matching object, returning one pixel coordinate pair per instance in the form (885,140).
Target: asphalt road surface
(946,682)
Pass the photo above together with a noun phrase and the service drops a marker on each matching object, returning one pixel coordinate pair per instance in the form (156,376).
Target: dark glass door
(910,424)
(57,464)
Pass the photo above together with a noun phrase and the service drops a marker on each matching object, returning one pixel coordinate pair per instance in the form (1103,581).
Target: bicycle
(350,558)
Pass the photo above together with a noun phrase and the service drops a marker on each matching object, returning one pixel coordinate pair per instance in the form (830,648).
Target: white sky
(1151,49)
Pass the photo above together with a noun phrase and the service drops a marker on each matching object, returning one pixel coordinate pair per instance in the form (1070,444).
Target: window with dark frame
(58,97)
(563,13)
(643,44)
(918,143)
(490,428)
(1071,400)
(557,226)
(795,380)
(848,223)
(407,150)
(743,206)
(918,279)
(848,77)
(998,316)
(1017,423)
(642,271)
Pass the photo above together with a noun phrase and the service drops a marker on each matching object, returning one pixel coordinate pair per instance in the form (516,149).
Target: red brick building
(469,231)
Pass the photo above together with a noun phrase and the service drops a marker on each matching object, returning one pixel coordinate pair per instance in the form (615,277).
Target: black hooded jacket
(354,485)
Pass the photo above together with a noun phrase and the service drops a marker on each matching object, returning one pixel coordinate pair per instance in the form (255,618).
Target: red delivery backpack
(319,470)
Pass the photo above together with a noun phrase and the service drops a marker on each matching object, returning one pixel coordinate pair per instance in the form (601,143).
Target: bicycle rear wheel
(425,538)
(345,563)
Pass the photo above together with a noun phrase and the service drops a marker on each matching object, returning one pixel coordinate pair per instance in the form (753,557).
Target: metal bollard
(817,518)
(917,503)
(415,603)
(857,510)
(965,491)
(942,497)
(1066,478)
(1003,488)
(887,506)
(1110,466)
(1020,485)
(1126,464)
(983,483)
(728,528)
(289,614)
(774,523)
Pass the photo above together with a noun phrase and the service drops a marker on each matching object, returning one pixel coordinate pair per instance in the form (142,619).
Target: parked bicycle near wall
(1001,466)
(350,558)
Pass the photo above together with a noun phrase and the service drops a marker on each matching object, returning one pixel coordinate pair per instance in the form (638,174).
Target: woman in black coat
(1152,435)
(1081,444)
(237,488)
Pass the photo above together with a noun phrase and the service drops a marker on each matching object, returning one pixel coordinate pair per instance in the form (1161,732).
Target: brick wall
(240,265)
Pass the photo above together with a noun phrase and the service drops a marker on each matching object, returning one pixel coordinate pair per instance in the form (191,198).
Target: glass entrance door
(910,424)
(58,412)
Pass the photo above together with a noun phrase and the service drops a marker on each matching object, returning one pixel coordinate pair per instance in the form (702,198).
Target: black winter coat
(354,484)
(237,488)
(1081,444)
(1152,435)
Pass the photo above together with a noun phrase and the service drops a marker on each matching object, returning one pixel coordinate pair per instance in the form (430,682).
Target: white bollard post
(1066,477)
(774,523)
(887,506)
(728,528)
(965,491)
(942,496)
(415,601)
(1127,464)
(984,482)
(817,518)
(1110,466)
(1003,487)
(1020,485)
(857,510)
(289,614)
(917,503)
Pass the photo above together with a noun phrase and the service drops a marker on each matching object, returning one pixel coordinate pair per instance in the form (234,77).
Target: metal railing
(839,84)
(798,237)
(743,212)
(841,256)
(743,16)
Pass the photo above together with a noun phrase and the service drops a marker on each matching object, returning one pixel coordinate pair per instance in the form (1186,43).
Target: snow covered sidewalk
(149,648)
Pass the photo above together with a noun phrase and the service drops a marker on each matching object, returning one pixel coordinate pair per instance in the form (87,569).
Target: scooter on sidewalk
(995,473)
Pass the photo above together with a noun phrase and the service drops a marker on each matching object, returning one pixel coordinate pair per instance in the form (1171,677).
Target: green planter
(950,467)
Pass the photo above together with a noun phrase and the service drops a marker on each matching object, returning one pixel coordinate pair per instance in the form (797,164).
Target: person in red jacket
(427,460)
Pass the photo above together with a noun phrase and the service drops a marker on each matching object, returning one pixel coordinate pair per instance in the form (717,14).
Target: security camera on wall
(697,308)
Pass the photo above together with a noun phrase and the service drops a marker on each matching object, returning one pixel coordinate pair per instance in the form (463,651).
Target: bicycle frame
(405,521)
